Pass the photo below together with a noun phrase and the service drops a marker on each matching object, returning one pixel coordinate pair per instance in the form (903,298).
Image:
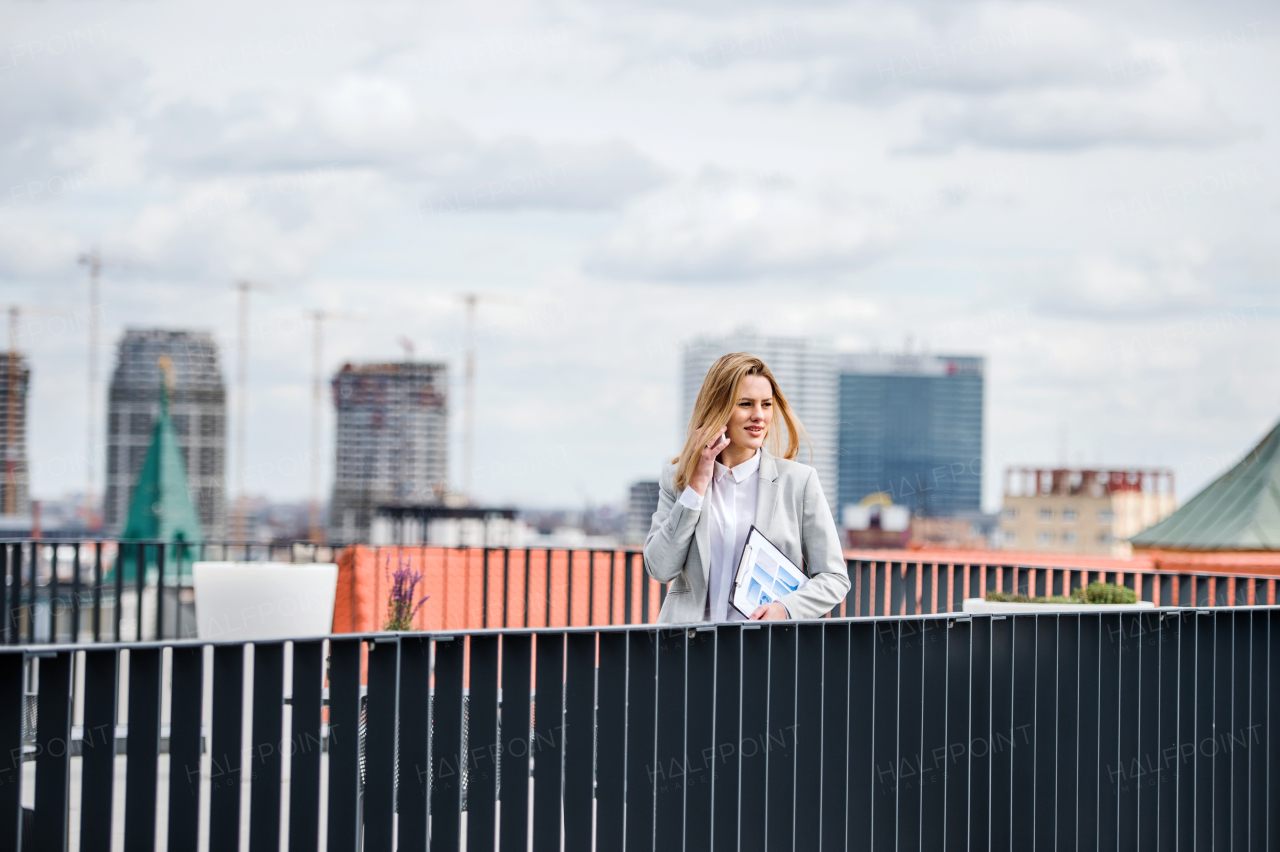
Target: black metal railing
(107,590)
(902,587)
(112,591)
(1116,731)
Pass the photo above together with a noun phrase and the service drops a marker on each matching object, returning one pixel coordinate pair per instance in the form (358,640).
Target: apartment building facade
(1081,511)
(198,410)
(15,379)
(392,446)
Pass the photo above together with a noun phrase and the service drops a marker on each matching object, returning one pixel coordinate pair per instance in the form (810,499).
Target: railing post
(8,629)
(160,548)
(31,592)
(97,771)
(307,744)
(53,749)
(379,747)
(484,605)
(591,588)
(11,712)
(75,592)
(568,601)
(506,583)
(53,589)
(344,747)
(225,747)
(185,747)
(97,591)
(627,582)
(483,744)
(548,742)
(141,769)
(514,754)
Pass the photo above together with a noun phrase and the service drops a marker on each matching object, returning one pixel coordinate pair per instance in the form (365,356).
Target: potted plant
(1095,597)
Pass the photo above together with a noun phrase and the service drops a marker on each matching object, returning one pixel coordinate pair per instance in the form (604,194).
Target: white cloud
(1105,286)
(720,226)
(1169,115)
(1036,77)
(377,123)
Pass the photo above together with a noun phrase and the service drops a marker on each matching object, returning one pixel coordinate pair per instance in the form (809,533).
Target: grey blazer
(792,513)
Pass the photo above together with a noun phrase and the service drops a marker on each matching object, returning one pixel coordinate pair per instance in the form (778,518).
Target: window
(1044,539)
(1011,513)
(139,423)
(1106,516)
(1069,515)
(1045,515)
(1105,538)
(1068,538)
(1011,535)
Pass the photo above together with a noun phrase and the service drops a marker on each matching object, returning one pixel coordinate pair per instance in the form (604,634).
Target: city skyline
(844,358)
(1079,195)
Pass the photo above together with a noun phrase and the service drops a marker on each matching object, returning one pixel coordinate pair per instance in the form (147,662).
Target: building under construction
(198,409)
(15,376)
(392,446)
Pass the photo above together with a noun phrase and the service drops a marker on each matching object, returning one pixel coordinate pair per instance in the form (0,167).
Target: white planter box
(980,605)
(249,601)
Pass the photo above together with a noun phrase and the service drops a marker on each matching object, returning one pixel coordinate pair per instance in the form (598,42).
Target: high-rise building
(806,372)
(392,442)
(15,376)
(1089,512)
(198,409)
(642,502)
(911,428)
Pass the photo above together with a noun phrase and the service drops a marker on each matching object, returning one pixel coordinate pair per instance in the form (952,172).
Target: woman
(725,481)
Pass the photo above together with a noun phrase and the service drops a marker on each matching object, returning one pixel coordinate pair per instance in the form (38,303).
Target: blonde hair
(715,403)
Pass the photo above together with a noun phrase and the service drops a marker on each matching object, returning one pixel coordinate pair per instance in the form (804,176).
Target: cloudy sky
(1084,193)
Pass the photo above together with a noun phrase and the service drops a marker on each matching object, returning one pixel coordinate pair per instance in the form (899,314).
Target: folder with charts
(764,574)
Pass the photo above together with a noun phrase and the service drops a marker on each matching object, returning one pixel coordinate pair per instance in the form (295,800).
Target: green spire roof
(161,507)
(1239,511)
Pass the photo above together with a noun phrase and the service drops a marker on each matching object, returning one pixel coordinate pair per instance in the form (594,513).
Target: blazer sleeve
(670,534)
(823,557)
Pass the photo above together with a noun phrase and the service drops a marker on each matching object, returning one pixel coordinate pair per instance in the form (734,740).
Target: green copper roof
(161,507)
(1239,511)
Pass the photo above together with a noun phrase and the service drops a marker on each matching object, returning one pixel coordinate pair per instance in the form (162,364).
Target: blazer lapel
(767,493)
(702,535)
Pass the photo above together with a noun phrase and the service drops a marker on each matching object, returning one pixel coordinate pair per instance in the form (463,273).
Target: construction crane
(318,318)
(471,300)
(94,261)
(242,381)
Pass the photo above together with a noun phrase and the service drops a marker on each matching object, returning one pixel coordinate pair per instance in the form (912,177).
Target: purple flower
(400,605)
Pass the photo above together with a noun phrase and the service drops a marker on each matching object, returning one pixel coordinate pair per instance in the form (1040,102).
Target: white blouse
(731,500)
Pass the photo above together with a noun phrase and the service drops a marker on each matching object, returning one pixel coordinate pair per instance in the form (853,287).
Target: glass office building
(911,428)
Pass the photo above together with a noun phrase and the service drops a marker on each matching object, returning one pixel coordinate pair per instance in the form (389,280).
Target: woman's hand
(770,612)
(707,463)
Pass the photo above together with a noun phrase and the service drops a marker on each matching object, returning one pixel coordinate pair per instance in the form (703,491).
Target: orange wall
(454,581)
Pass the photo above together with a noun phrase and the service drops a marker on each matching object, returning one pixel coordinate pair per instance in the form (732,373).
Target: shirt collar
(741,472)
